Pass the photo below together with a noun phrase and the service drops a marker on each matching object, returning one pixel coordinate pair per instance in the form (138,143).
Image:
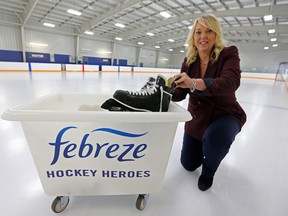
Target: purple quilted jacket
(222,79)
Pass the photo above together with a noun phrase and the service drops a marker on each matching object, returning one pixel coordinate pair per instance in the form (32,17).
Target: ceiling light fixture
(140,43)
(120,25)
(157,47)
(182,51)
(74,12)
(275,45)
(266,48)
(49,25)
(118,38)
(89,33)
(165,14)
(150,33)
(38,44)
(86,49)
(273,39)
(271,31)
(268,17)
(170,50)
(104,52)
(171,40)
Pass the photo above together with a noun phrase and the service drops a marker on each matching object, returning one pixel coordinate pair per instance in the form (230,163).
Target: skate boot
(151,98)
(113,105)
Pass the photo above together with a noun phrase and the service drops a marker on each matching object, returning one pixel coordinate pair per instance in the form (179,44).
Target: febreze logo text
(122,152)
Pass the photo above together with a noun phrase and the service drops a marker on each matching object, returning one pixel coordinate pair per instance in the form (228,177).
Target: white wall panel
(10,38)
(56,44)
(45,67)
(95,48)
(10,35)
(148,57)
(107,68)
(14,66)
(164,60)
(176,60)
(126,52)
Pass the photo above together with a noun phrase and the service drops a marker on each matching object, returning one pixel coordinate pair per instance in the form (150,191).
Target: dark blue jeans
(214,146)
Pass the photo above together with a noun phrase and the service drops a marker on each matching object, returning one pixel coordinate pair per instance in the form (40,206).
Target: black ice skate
(151,98)
(113,105)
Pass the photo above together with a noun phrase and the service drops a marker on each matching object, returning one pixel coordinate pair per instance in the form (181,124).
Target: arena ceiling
(242,20)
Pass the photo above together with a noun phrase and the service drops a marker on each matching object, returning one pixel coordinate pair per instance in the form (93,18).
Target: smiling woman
(210,74)
(208,31)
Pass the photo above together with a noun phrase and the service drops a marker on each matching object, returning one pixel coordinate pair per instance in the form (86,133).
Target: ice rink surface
(251,181)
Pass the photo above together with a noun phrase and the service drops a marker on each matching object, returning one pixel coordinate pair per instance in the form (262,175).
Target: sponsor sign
(64,149)
(36,55)
(100,159)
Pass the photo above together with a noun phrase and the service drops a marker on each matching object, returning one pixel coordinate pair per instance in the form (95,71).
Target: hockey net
(282,73)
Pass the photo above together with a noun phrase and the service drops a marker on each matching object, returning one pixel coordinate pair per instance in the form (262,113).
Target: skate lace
(148,84)
(144,92)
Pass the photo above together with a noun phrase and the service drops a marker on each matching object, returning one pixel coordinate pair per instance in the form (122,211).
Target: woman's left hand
(182,80)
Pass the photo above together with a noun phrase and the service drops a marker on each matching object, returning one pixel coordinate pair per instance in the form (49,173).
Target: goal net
(282,72)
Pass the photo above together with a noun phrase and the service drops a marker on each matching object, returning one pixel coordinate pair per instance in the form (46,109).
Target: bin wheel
(60,203)
(142,201)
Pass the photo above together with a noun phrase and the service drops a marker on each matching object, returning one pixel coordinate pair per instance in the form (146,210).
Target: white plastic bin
(79,149)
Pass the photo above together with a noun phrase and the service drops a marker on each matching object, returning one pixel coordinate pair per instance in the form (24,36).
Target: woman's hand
(182,80)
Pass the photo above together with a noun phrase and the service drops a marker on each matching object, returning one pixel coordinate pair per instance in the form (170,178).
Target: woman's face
(204,39)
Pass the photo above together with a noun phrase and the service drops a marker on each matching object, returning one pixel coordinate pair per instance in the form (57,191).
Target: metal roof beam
(92,23)
(28,10)
(251,29)
(276,10)
(235,38)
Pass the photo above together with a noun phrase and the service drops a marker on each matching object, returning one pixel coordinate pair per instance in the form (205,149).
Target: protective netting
(282,73)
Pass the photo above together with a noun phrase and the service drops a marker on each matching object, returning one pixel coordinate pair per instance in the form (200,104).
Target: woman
(210,74)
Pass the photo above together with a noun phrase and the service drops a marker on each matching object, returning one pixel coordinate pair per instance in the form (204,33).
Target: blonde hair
(211,22)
